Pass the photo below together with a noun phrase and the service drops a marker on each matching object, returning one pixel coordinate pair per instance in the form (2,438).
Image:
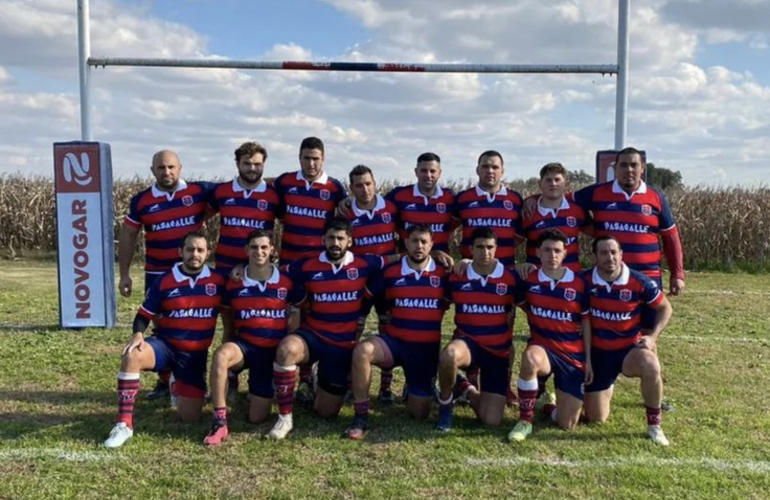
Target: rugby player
(185,300)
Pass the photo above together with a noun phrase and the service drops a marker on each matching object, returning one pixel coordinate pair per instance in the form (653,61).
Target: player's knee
(491,419)
(287,351)
(650,366)
(363,353)
(327,411)
(449,357)
(221,360)
(531,359)
(567,424)
(131,361)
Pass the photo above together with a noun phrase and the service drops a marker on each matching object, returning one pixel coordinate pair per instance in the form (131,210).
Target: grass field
(57,404)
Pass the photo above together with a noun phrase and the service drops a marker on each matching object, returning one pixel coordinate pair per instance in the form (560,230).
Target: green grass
(57,404)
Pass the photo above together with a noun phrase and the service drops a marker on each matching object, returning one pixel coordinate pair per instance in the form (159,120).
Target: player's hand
(136,342)
(461,267)
(343,207)
(236,273)
(589,377)
(124,285)
(524,269)
(529,207)
(443,259)
(646,342)
(676,286)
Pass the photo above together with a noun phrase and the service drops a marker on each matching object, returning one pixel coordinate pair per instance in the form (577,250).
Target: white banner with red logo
(84,217)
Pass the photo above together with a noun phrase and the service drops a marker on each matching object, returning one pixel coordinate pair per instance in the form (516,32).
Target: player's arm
(443,258)
(126,246)
(672,247)
(663,312)
(586,326)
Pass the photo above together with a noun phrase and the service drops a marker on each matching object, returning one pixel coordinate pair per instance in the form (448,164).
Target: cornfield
(721,228)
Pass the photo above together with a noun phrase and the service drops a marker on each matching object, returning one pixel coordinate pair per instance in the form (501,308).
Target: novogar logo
(77,171)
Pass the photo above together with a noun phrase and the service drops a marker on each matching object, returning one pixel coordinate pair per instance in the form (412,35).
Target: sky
(699,84)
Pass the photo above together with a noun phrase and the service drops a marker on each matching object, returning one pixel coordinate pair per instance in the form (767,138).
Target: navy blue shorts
(493,370)
(607,366)
(333,363)
(419,361)
(567,377)
(259,361)
(149,279)
(188,367)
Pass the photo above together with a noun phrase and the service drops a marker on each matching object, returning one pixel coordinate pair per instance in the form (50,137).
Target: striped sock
(653,416)
(386,378)
(220,415)
(527,398)
(284,378)
(128,386)
(361,408)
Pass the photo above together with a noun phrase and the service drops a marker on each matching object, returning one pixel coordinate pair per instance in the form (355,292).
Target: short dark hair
(419,228)
(428,157)
(484,233)
(194,234)
(491,153)
(628,151)
(551,234)
(249,149)
(338,224)
(553,168)
(311,143)
(604,237)
(360,170)
(259,233)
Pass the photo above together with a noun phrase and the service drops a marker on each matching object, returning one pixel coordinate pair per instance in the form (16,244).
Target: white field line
(56,453)
(727,292)
(612,463)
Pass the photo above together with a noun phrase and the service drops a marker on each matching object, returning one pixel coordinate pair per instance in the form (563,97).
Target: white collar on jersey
(158,192)
(496,273)
(379,205)
(625,274)
(262,285)
(642,189)
(321,180)
(491,196)
(568,277)
(261,187)
(347,259)
(552,211)
(406,270)
(181,277)
(416,192)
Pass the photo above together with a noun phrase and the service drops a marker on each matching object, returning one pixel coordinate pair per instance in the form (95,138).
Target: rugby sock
(527,398)
(550,411)
(386,377)
(284,378)
(361,408)
(128,386)
(220,415)
(164,375)
(306,374)
(653,417)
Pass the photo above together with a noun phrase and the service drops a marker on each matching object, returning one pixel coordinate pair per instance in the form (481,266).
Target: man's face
(194,253)
(337,243)
(167,170)
(629,170)
(259,251)
(312,163)
(490,171)
(418,246)
(483,251)
(553,186)
(250,168)
(364,188)
(608,256)
(428,173)
(551,254)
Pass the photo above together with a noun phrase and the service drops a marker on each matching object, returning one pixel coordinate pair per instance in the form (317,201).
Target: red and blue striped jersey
(416,300)
(636,220)
(167,217)
(335,294)
(616,308)
(482,304)
(569,218)
(306,208)
(186,307)
(260,308)
(501,211)
(374,231)
(416,208)
(555,312)
(241,211)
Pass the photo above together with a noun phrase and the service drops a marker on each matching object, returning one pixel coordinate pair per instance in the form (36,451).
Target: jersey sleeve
(651,294)
(585,297)
(342,192)
(583,197)
(133,219)
(151,305)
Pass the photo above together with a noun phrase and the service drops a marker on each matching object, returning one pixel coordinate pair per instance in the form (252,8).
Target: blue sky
(699,103)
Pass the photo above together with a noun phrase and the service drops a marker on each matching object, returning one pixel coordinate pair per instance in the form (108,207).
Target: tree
(663,178)
(579,178)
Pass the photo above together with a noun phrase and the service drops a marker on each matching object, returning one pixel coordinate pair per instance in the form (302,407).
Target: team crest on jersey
(435,281)
(441,208)
(508,204)
(625,295)
(211,289)
(571,221)
(282,293)
(646,210)
(386,217)
(262,204)
(353,273)
(325,194)
(187,200)
(501,289)
(570,293)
